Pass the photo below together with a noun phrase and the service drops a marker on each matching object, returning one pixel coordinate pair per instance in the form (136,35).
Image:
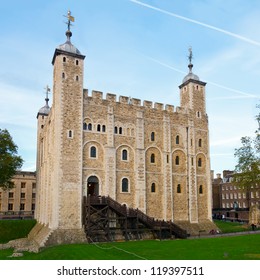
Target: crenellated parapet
(110,98)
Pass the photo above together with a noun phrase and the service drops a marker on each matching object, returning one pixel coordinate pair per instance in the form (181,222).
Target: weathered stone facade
(147,156)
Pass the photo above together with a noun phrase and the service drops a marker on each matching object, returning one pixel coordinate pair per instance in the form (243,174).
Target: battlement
(112,98)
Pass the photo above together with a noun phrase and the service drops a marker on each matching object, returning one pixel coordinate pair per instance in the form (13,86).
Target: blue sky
(137,49)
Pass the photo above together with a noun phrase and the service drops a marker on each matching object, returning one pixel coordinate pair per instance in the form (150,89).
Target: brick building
(231,201)
(145,155)
(20,200)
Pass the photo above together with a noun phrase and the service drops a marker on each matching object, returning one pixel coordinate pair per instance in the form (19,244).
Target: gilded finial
(70,19)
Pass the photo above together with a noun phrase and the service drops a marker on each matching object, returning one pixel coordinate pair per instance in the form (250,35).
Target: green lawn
(226,226)
(246,247)
(13,229)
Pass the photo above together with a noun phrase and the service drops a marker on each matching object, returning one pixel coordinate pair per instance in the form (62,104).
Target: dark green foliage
(10,162)
(248,156)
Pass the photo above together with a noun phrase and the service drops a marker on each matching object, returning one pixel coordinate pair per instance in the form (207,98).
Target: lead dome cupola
(45,110)
(190,75)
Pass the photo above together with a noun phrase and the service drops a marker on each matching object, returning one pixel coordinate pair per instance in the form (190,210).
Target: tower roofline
(193,81)
(62,52)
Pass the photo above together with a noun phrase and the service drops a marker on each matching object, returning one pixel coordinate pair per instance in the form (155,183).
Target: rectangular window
(34,185)
(11,195)
(10,206)
(22,206)
(23,185)
(22,195)
(33,195)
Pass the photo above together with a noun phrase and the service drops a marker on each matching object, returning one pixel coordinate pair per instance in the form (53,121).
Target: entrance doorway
(93,186)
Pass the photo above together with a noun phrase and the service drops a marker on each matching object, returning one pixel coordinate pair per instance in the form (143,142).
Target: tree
(247,171)
(10,162)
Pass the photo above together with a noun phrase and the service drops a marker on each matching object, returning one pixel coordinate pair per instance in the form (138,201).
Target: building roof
(68,46)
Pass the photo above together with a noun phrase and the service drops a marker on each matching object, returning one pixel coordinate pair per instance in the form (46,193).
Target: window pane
(93,152)
(125,185)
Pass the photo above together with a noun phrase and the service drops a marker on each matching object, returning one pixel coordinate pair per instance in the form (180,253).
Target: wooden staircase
(107,220)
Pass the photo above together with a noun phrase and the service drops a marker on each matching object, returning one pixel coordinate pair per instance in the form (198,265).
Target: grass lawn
(246,247)
(13,229)
(227,226)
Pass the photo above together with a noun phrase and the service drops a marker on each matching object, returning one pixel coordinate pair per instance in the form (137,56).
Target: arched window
(201,189)
(199,162)
(177,140)
(124,154)
(120,130)
(115,130)
(89,126)
(125,185)
(77,78)
(98,127)
(200,142)
(85,126)
(77,62)
(103,128)
(179,188)
(153,187)
(152,136)
(63,75)
(152,158)
(93,152)
(177,160)
(64,59)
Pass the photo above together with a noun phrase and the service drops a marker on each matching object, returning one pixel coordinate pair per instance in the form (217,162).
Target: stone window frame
(93,154)
(152,136)
(177,140)
(153,187)
(125,188)
(124,154)
(152,158)
(200,142)
(201,189)
(199,162)
(178,189)
(22,195)
(11,195)
(70,134)
(177,160)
